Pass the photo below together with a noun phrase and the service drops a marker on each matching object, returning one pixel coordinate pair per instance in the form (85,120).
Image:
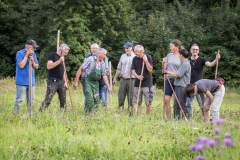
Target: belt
(56,80)
(218,87)
(127,78)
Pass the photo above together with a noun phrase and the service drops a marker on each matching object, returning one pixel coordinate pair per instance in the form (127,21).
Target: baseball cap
(32,43)
(127,45)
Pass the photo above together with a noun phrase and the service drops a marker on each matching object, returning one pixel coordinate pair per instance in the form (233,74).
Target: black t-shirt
(137,66)
(197,68)
(57,72)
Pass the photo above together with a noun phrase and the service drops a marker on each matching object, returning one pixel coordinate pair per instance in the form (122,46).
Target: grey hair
(139,48)
(195,44)
(63,46)
(94,44)
(100,50)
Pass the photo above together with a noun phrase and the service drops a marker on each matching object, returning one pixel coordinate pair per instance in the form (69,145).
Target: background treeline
(212,24)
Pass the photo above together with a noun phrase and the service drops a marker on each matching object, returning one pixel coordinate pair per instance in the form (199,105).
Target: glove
(28,53)
(164,71)
(31,57)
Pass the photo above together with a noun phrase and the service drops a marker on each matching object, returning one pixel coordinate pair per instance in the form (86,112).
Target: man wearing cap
(124,70)
(92,69)
(57,81)
(22,73)
(146,78)
(102,86)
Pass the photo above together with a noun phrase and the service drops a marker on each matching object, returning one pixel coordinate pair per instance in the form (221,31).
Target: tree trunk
(238,3)
(225,4)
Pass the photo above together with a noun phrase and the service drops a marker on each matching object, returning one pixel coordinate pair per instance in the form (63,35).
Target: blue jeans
(20,90)
(190,102)
(103,94)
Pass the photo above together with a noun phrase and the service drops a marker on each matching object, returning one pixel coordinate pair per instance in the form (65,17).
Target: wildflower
(199,139)
(227,135)
(95,95)
(159,133)
(11,147)
(199,158)
(40,148)
(220,151)
(211,143)
(172,128)
(192,147)
(199,147)
(34,154)
(217,130)
(228,142)
(218,121)
(178,133)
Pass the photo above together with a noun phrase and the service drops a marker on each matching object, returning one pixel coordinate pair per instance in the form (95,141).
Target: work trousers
(54,86)
(124,88)
(180,93)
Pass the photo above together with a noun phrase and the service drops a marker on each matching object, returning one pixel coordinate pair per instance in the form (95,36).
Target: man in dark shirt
(197,64)
(142,59)
(56,78)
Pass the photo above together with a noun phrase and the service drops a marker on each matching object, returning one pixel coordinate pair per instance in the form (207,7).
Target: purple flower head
(211,143)
(172,128)
(178,133)
(34,154)
(218,121)
(192,147)
(199,147)
(159,133)
(199,158)
(204,140)
(220,151)
(217,130)
(227,135)
(199,139)
(228,142)
(95,95)
(40,148)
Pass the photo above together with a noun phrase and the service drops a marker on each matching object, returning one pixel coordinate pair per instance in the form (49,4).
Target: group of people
(135,71)
(185,74)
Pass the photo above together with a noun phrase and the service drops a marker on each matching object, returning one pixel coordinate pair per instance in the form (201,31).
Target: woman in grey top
(172,62)
(214,96)
(182,78)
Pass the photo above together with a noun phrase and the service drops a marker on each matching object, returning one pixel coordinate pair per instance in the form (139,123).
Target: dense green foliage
(212,24)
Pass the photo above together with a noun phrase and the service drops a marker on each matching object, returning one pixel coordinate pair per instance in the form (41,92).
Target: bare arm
(211,64)
(137,76)
(210,96)
(79,72)
(117,73)
(105,79)
(51,64)
(173,74)
(23,62)
(164,63)
(149,67)
(35,65)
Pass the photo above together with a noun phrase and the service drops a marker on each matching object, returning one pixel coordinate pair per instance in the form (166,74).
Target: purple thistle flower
(204,140)
(192,147)
(228,142)
(95,95)
(199,147)
(217,130)
(199,158)
(34,154)
(199,139)
(220,151)
(172,128)
(218,121)
(40,148)
(227,135)
(178,133)
(211,143)
(159,133)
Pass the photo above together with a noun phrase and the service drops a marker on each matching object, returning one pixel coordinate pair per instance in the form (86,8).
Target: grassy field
(110,133)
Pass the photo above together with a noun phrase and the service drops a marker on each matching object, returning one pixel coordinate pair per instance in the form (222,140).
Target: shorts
(148,95)
(168,89)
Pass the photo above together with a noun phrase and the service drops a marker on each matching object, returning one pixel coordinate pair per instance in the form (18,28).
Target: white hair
(94,44)
(100,50)
(139,48)
(63,46)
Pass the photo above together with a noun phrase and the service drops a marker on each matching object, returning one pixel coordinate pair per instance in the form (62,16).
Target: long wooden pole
(164,109)
(216,67)
(65,72)
(110,79)
(30,85)
(139,88)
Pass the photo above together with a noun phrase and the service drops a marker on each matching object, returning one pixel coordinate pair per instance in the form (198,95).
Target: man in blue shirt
(22,73)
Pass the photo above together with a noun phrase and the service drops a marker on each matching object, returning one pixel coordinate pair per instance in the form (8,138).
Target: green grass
(108,133)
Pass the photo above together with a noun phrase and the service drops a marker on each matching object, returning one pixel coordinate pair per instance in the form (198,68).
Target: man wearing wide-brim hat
(22,73)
